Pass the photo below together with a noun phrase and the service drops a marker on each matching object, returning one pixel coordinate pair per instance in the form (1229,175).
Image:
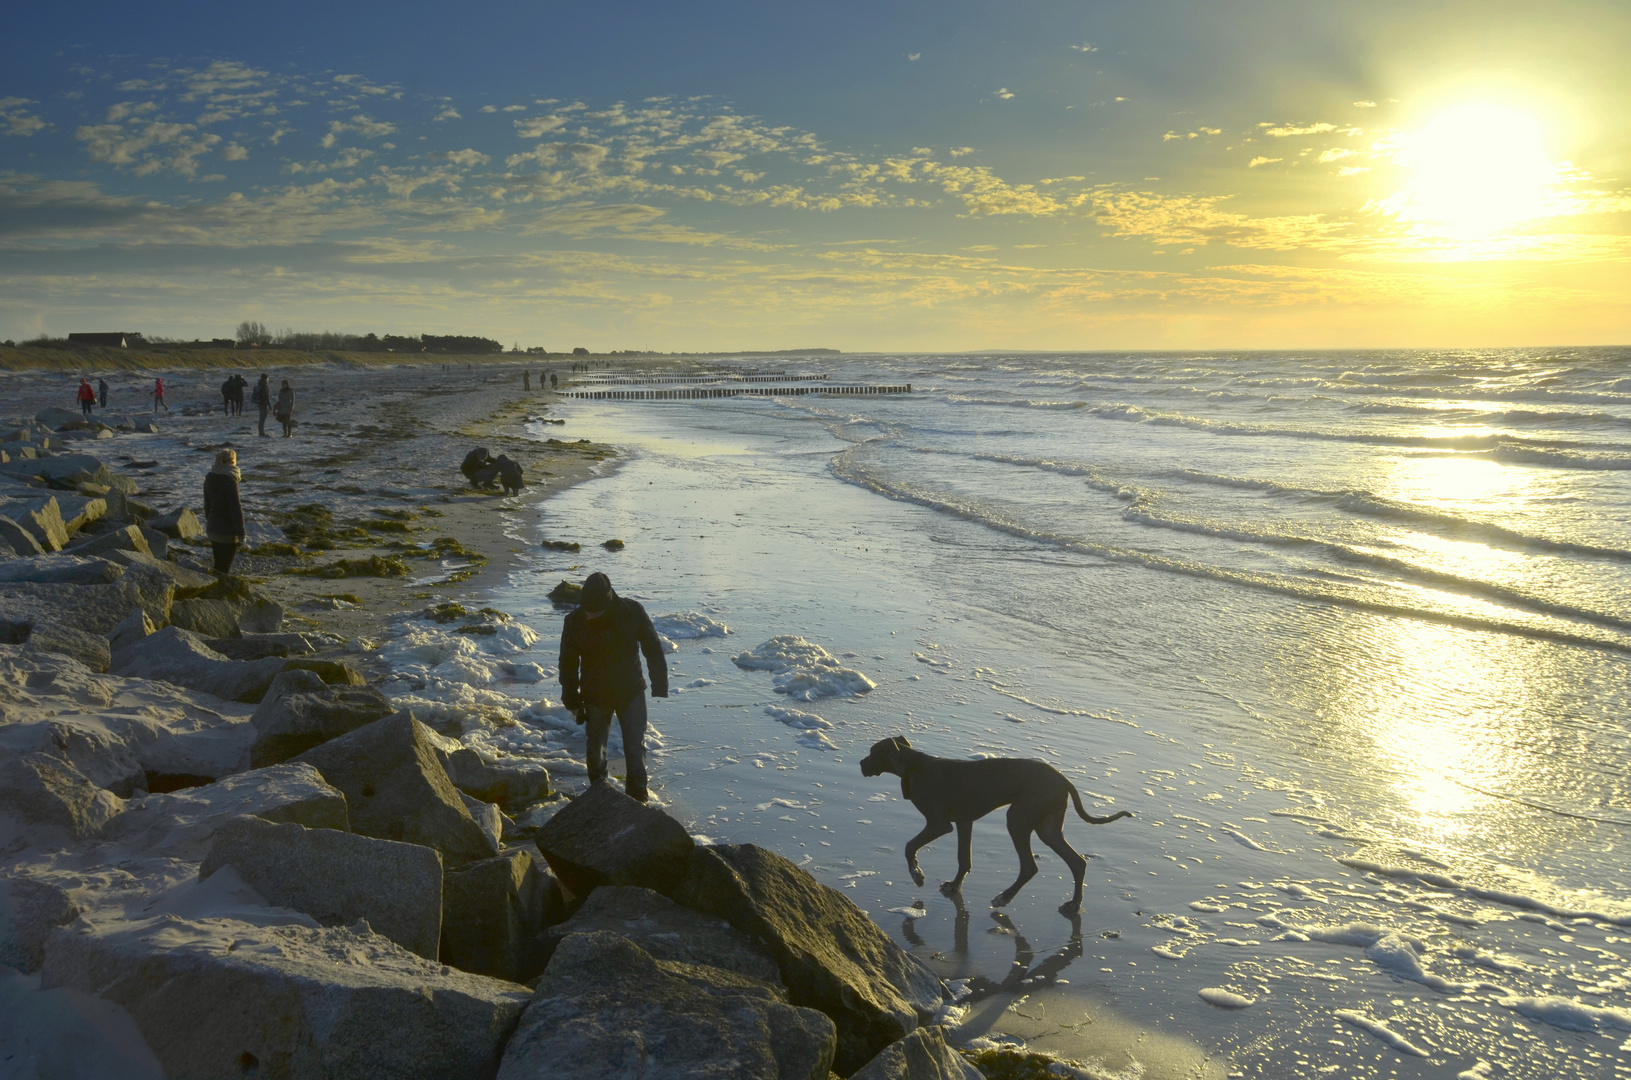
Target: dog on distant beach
(949,793)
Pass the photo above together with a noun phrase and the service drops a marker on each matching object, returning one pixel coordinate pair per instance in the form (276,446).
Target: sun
(1475,170)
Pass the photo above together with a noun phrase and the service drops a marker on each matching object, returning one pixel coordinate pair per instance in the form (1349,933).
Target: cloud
(960,151)
(361,124)
(448,113)
(1198,220)
(535,127)
(148,147)
(1257,161)
(914,56)
(1336,153)
(1004,93)
(1284,130)
(489,108)
(1084,47)
(234,152)
(467,157)
(1364,104)
(16,120)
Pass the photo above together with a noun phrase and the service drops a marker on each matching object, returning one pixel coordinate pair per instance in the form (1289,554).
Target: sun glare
(1476,169)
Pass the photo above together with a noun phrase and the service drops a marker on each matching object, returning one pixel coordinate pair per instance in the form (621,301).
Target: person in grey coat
(223,512)
(284,408)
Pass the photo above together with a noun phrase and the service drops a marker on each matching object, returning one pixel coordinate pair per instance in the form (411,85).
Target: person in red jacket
(87,397)
(158,396)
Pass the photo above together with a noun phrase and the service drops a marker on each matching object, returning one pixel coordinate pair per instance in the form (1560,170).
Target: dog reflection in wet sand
(948,792)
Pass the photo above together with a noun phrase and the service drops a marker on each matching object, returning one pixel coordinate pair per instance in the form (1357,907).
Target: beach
(1362,699)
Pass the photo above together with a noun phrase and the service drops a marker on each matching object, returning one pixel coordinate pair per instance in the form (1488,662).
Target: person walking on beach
(223,512)
(158,396)
(226,397)
(102,391)
(601,642)
(263,401)
(284,409)
(87,397)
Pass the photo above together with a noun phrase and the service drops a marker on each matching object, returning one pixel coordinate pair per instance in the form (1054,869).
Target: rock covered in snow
(396,788)
(337,877)
(831,955)
(603,837)
(181,824)
(607,1008)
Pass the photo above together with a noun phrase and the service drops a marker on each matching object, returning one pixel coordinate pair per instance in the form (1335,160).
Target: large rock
(181,657)
(260,646)
(43,790)
(99,751)
(206,618)
(301,711)
(397,790)
(922,1055)
(217,999)
(89,649)
(29,910)
(73,469)
(603,837)
(61,569)
(489,818)
(492,915)
(19,539)
(178,524)
(337,877)
(512,783)
(181,825)
(56,419)
(831,955)
(607,1008)
(264,616)
(127,538)
(135,626)
(79,511)
(42,517)
(158,545)
(666,931)
(186,582)
(96,609)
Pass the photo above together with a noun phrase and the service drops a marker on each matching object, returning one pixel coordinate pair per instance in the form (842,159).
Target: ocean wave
(845,468)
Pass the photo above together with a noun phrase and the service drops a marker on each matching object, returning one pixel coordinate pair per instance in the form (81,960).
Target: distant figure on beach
(479,467)
(235,395)
(158,396)
(601,643)
(263,401)
(87,397)
(223,512)
(226,397)
(102,390)
(283,409)
(526,381)
(509,474)
(554,381)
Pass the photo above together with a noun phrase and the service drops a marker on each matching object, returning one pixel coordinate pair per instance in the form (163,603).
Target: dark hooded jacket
(600,658)
(223,512)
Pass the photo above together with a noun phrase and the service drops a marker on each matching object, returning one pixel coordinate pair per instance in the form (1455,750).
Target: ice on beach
(1226,999)
(803,670)
(797,718)
(686,625)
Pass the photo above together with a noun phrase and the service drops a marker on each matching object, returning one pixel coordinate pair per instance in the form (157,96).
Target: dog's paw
(1001,899)
(951,888)
(1071,907)
(917,875)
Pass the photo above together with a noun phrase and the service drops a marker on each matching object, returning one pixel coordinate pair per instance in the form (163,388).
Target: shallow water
(1348,633)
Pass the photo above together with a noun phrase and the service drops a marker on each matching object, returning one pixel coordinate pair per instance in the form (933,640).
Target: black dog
(957,793)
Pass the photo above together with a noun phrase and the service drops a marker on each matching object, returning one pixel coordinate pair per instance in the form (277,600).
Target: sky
(945,176)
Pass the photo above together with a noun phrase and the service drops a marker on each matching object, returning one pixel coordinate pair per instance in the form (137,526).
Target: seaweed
(448,612)
(562,545)
(275,547)
(387,566)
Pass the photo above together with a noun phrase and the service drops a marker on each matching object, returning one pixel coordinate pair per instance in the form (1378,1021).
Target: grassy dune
(90,360)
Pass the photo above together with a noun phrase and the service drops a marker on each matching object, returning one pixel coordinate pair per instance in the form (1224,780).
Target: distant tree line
(251,334)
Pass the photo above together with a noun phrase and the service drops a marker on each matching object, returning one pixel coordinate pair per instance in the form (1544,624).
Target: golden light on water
(1474,170)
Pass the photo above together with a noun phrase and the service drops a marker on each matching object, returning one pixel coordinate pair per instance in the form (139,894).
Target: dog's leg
(932,830)
(1052,833)
(965,857)
(1019,827)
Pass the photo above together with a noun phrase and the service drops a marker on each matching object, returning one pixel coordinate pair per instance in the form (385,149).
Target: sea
(1347,632)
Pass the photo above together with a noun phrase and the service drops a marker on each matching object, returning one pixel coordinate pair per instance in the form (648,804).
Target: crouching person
(601,643)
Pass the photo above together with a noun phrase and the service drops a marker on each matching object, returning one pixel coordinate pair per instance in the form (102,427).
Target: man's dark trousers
(631,719)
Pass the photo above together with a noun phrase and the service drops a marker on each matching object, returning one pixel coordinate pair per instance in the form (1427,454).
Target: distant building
(112,340)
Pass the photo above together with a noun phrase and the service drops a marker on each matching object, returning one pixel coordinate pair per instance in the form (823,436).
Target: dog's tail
(1085,816)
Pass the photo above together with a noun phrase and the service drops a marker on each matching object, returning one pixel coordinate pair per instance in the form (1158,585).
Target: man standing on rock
(600,675)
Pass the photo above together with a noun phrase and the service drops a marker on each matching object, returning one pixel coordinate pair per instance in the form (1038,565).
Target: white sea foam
(796,718)
(803,670)
(1568,1013)
(1226,999)
(686,625)
(1381,1030)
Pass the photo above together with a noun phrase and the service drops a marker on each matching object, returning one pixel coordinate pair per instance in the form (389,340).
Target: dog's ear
(901,743)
